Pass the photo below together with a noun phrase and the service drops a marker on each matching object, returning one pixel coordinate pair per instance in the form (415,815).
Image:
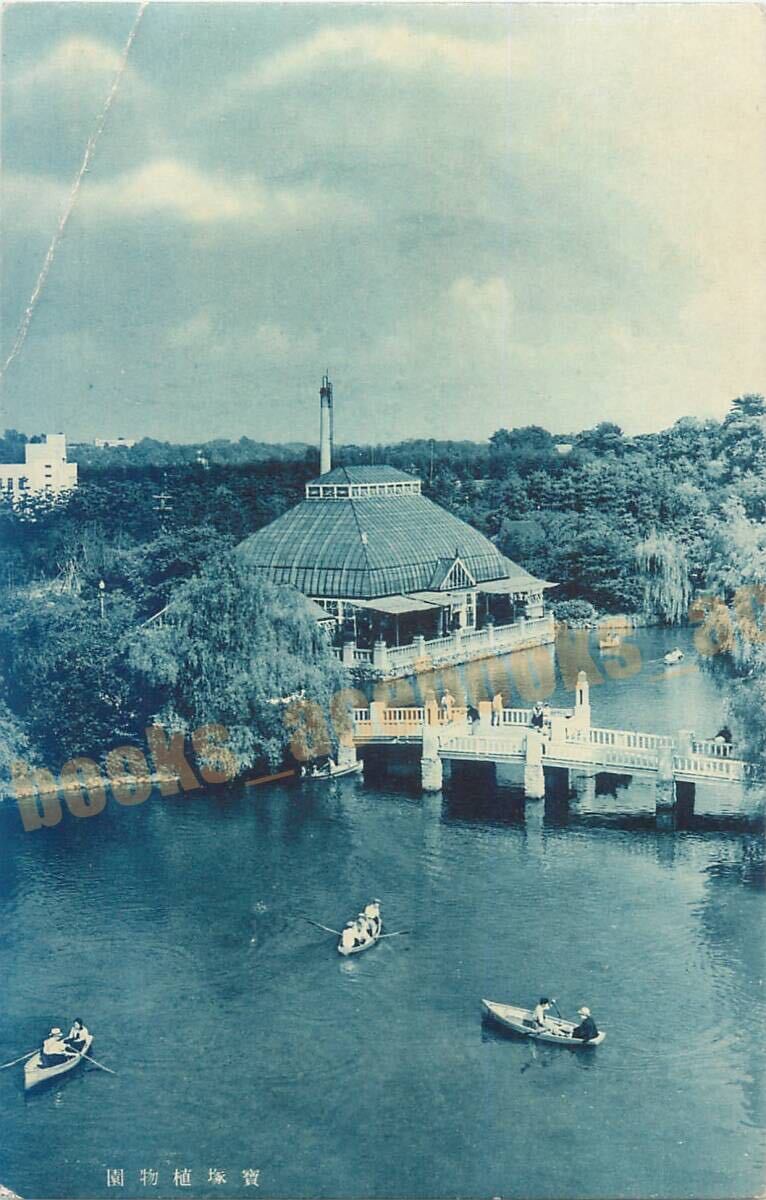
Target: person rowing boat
(586,1031)
(55,1050)
(372,916)
(77,1037)
(540,1015)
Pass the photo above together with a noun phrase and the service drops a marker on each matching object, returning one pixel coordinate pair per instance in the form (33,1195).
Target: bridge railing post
(377,709)
(581,715)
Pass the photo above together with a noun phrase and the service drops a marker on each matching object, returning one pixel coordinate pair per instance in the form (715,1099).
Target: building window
(470,610)
(314,492)
(341,493)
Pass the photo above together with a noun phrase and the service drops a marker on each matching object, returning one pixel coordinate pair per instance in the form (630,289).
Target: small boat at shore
(521,1020)
(36,1074)
(334,771)
(673,657)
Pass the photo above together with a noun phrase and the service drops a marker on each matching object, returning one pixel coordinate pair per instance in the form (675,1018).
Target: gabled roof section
(451,573)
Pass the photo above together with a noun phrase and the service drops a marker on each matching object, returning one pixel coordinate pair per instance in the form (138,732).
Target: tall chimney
(325,426)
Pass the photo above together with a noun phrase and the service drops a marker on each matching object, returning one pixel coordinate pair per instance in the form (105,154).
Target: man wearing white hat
(586,1031)
(55,1049)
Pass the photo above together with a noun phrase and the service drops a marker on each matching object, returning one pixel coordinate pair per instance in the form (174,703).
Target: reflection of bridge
(568,742)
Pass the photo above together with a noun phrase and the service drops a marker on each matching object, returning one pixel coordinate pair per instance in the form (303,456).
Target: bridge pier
(431,773)
(582,783)
(665,790)
(534,777)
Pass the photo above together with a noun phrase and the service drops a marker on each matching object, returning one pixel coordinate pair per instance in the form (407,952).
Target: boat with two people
(331,770)
(58,1055)
(539,1025)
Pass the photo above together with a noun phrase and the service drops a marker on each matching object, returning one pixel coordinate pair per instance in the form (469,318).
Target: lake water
(243,1042)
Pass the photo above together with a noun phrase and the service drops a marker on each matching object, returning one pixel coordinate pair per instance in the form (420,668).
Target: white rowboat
(35,1073)
(521,1020)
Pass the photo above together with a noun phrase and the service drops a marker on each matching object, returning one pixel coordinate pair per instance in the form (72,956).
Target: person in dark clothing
(724,735)
(586,1031)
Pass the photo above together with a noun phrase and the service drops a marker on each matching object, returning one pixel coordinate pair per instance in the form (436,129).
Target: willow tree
(237,651)
(664,570)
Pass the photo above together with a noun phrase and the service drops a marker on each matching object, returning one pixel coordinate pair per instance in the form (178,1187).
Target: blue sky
(474,216)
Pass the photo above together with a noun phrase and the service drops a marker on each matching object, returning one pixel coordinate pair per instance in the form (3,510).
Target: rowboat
(673,657)
(35,1073)
(609,641)
(521,1020)
(335,771)
(362,945)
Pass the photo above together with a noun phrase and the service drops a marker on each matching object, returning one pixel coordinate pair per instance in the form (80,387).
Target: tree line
(621,524)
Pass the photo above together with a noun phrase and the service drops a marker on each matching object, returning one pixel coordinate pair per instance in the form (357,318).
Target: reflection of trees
(731,917)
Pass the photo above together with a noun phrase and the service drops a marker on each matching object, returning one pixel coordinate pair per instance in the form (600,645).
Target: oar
(398,933)
(96,1064)
(325,927)
(18,1060)
(558,1010)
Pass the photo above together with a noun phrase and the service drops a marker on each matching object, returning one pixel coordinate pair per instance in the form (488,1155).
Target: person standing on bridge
(497,708)
(448,702)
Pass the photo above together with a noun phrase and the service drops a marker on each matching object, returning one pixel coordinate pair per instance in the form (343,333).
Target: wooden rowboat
(521,1021)
(673,657)
(363,945)
(335,772)
(609,641)
(35,1073)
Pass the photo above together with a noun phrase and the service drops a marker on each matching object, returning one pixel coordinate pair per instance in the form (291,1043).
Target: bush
(575,612)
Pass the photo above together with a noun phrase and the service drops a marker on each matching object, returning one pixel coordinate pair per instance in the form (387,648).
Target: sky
(474,216)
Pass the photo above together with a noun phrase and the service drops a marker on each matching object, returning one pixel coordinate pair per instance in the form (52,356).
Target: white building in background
(111,443)
(45,470)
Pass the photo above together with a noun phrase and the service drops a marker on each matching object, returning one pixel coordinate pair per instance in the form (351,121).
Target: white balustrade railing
(712,748)
(516,716)
(731,769)
(622,748)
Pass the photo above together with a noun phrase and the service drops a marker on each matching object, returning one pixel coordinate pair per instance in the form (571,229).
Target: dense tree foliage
(617,522)
(732,617)
(238,652)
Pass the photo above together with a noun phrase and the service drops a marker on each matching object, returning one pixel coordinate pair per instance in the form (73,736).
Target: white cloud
(213,336)
(396,47)
(74,64)
(31,202)
(488,303)
(168,187)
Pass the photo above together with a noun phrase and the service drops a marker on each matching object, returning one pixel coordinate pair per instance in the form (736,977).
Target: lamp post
(101,590)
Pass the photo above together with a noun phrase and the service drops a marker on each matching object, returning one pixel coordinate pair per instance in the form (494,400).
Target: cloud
(486,303)
(217,336)
(174,189)
(396,48)
(74,57)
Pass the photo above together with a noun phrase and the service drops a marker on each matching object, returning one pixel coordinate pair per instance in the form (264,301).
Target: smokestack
(325,426)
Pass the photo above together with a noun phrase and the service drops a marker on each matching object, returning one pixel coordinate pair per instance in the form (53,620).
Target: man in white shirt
(372,915)
(347,937)
(55,1049)
(540,1017)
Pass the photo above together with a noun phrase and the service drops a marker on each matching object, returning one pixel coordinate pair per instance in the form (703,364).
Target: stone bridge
(568,742)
